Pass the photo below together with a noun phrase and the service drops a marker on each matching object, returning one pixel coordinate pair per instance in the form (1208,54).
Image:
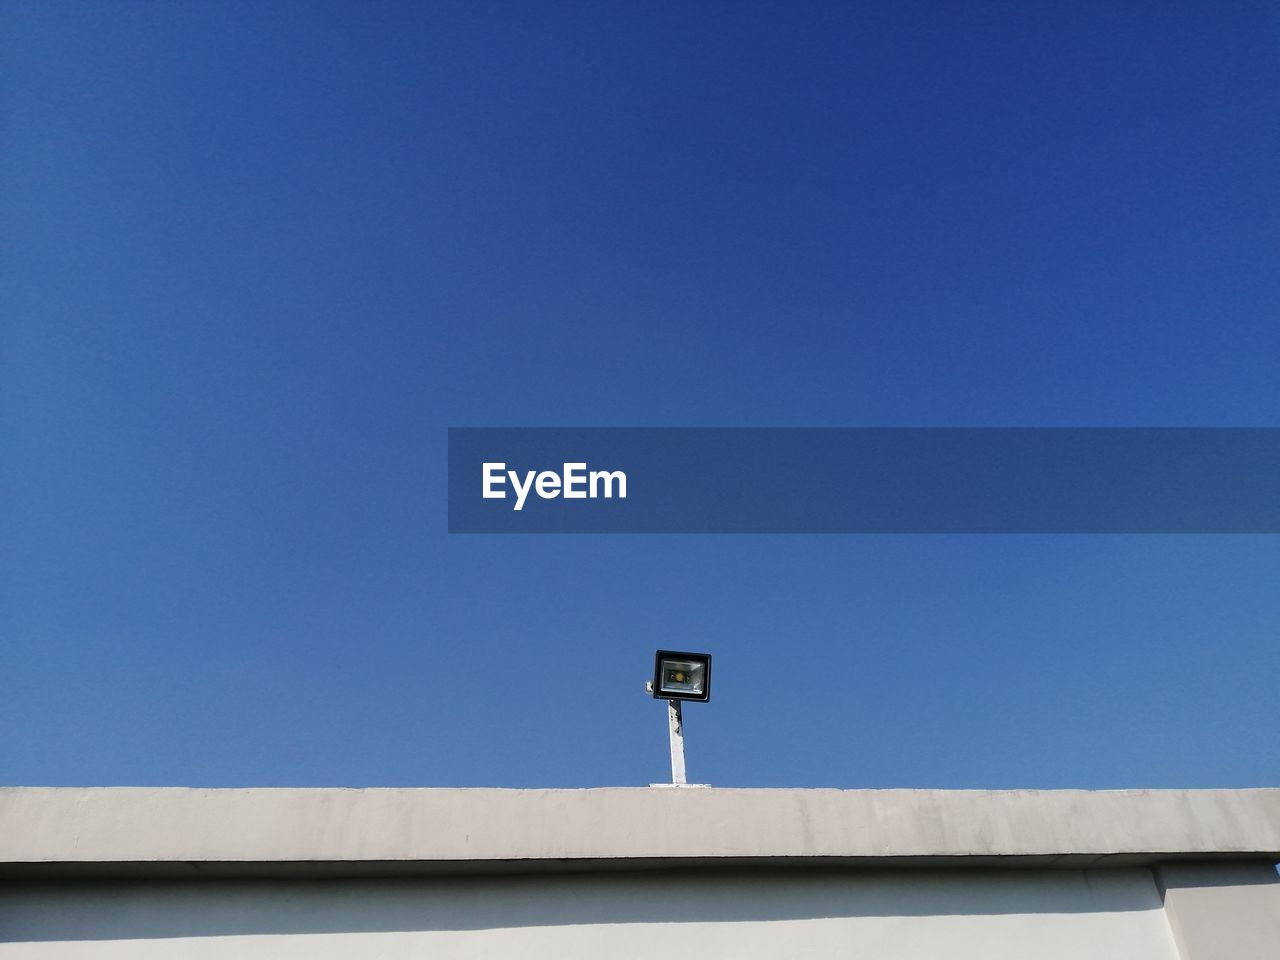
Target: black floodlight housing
(682,676)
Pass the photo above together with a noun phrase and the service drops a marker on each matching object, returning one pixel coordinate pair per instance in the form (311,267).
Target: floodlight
(679,676)
(682,676)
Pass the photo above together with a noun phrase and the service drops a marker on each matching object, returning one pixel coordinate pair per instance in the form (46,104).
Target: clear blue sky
(259,256)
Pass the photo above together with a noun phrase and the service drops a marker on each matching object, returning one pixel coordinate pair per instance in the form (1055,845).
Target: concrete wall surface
(892,874)
(64,826)
(905,915)
(1222,911)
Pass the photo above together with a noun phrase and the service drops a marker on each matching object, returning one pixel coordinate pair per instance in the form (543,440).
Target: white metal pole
(676,728)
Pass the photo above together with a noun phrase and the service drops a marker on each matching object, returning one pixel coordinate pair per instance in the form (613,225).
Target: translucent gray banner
(864,480)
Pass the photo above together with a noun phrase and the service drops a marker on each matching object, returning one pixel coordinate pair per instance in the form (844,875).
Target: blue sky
(259,257)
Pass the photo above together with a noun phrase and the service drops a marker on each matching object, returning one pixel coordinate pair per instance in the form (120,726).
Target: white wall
(1222,911)
(913,915)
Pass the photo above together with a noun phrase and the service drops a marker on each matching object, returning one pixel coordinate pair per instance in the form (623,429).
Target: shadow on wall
(102,910)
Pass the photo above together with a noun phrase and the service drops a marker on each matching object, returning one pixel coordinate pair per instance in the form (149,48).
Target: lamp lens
(683,676)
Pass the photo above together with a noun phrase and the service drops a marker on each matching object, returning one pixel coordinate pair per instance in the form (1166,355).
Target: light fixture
(682,676)
(677,677)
